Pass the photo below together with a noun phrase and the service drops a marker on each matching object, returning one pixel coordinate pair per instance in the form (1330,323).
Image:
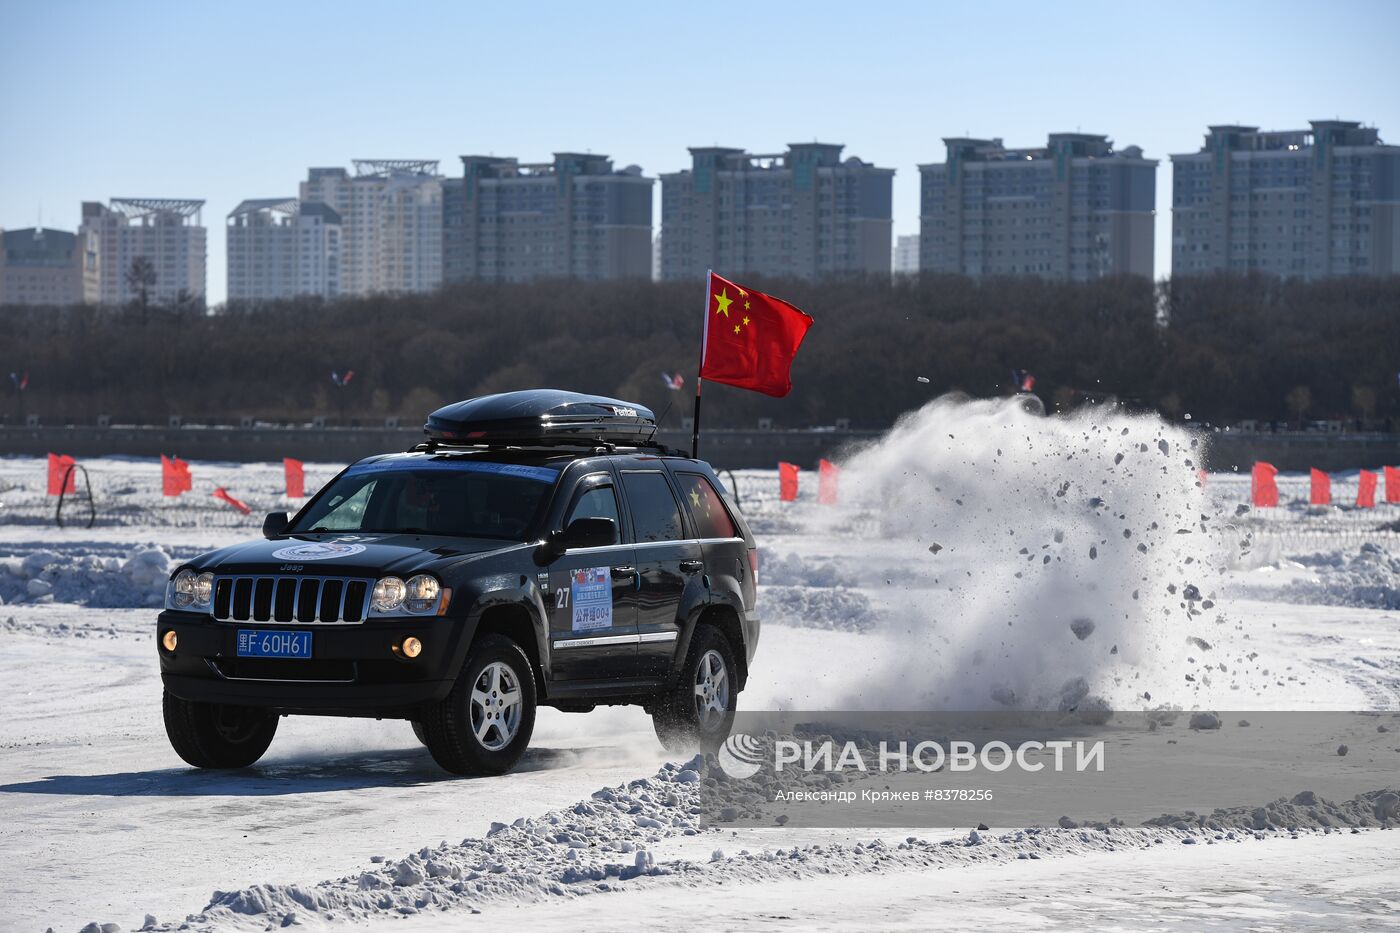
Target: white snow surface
(978,559)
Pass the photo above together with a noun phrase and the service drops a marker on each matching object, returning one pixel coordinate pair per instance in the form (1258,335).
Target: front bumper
(353,671)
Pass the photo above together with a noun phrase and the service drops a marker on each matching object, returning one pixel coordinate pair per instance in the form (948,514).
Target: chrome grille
(324,600)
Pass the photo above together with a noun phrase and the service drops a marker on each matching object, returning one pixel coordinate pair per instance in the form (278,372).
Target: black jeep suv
(538,549)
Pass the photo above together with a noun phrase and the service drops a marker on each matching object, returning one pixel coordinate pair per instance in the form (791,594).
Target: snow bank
(607,843)
(811,593)
(1305,810)
(84,575)
(1368,578)
(1014,557)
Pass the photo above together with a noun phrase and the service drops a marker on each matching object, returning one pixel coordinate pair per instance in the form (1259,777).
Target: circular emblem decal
(317,550)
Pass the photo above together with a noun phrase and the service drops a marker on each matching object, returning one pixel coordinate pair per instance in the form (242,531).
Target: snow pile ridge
(604,844)
(90,579)
(1369,578)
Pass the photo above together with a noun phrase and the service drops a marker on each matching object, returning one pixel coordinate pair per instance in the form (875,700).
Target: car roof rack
(546,419)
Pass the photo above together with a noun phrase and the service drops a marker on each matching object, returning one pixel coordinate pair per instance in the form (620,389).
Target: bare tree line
(1218,348)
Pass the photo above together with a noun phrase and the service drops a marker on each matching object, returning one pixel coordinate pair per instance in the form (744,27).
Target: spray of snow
(1019,561)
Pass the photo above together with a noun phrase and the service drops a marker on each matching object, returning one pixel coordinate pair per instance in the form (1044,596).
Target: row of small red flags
(828,478)
(1265,489)
(175,479)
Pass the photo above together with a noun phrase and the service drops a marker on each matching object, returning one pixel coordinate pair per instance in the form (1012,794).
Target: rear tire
(418,732)
(697,714)
(483,726)
(216,735)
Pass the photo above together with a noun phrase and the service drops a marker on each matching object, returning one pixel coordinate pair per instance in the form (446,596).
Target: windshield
(437,497)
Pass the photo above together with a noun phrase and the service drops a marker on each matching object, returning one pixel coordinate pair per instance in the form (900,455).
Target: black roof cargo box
(541,417)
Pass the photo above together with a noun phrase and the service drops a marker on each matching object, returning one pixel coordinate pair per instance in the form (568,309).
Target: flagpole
(704,337)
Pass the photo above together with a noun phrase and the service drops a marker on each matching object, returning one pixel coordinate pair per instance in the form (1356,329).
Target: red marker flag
(1366,491)
(221,493)
(296,478)
(174,476)
(1321,488)
(750,338)
(787,482)
(828,477)
(61,475)
(1392,484)
(1264,488)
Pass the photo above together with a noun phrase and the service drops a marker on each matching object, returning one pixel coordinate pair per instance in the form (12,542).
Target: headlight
(182,590)
(423,593)
(190,590)
(388,595)
(203,590)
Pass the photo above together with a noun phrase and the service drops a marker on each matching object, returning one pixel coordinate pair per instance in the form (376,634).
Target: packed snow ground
(978,560)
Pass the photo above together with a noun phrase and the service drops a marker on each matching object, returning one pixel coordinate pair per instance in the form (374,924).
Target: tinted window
(706,508)
(346,513)
(654,511)
(599,502)
(437,499)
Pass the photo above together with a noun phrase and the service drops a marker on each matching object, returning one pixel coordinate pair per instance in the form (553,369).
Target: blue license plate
(271,643)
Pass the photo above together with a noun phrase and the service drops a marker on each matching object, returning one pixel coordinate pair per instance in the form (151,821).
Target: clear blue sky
(234,100)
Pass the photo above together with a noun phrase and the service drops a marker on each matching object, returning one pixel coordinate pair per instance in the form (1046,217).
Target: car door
(669,562)
(592,596)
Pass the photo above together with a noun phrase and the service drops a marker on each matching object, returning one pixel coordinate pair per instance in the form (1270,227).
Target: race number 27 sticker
(590,590)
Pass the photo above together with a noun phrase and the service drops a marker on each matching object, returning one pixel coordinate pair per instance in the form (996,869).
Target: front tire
(217,735)
(697,714)
(484,725)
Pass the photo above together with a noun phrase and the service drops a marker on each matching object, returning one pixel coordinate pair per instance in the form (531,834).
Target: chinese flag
(1392,484)
(62,478)
(1264,488)
(222,493)
(787,482)
(296,478)
(828,478)
(186,481)
(750,338)
(1321,488)
(1366,491)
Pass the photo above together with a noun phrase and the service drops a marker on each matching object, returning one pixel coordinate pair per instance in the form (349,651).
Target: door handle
(692,566)
(623,571)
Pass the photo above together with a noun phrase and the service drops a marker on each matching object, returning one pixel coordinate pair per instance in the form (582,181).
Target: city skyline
(165,122)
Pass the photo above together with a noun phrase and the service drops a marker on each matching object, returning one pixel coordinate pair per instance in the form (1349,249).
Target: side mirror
(274,524)
(590,532)
(582,532)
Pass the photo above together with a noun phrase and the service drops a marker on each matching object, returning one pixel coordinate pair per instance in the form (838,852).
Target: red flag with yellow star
(750,338)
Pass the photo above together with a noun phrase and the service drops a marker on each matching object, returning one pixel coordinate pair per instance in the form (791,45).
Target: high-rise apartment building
(1076,209)
(166,231)
(804,213)
(39,266)
(906,255)
(282,248)
(1309,203)
(391,214)
(573,217)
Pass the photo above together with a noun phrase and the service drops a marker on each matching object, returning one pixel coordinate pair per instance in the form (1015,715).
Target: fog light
(412,647)
(169,640)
